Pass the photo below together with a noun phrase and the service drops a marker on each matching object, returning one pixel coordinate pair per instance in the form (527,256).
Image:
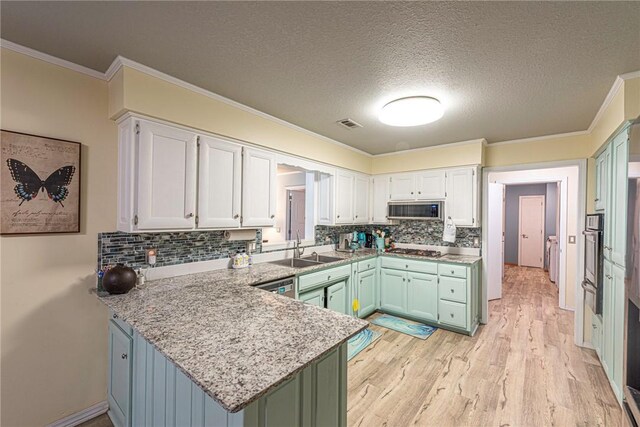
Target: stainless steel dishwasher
(285,286)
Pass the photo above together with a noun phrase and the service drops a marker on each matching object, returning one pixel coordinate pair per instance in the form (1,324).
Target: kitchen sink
(321,258)
(296,262)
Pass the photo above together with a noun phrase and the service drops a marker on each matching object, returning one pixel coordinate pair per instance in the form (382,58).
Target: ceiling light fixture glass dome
(411,111)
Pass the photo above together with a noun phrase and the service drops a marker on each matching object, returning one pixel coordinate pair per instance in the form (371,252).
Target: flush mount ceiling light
(411,111)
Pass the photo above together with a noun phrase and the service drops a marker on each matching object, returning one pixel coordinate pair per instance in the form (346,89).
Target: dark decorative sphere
(119,279)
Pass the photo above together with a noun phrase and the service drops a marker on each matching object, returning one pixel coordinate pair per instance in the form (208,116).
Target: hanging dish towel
(449,233)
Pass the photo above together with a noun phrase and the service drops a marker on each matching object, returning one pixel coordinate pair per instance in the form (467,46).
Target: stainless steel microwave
(415,210)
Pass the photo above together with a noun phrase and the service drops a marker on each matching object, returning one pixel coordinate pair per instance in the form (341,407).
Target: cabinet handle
(360,280)
(236,216)
(331,297)
(404,280)
(409,280)
(406,266)
(452,315)
(419,192)
(124,355)
(609,276)
(273,216)
(337,216)
(356,216)
(452,272)
(115,316)
(328,277)
(452,291)
(412,192)
(190,215)
(596,200)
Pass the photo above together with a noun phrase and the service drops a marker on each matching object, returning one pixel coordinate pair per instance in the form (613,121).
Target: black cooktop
(417,252)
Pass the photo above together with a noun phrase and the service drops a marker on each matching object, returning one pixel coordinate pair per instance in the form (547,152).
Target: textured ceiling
(503,70)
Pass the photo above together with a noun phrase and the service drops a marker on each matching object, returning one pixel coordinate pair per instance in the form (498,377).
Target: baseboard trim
(82,416)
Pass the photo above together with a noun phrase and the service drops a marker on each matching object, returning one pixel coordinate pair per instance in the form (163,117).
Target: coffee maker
(344,242)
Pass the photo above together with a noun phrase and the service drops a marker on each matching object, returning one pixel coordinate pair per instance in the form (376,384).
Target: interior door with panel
(393,290)
(361,197)
(367,292)
(618,199)
(531,231)
(258,188)
(402,186)
(460,197)
(219,183)
(166,177)
(379,199)
(422,296)
(430,185)
(344,197)
(337,297)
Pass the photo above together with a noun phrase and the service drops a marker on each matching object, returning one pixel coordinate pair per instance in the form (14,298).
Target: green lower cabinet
(453,314)
(366,292)
(313,297)
(422,296)
(119,375)
(618,274)
(393,290)
(596,334)
(337,297)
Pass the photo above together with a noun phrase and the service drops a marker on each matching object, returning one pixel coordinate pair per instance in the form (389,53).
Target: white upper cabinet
(219,183)
(403,186)
(166,186)
(258,188)
(361,197)
(430,185)
(461,194)
(379,199)
(344,197)
(324,200)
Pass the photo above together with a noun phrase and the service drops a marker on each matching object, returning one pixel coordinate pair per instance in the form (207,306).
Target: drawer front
(453,313)
(121,323)
(367,264)
(452,270)
(409,265)
(452,289)
(312,279)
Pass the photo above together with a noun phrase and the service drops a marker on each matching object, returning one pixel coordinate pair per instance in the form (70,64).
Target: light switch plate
(572,240)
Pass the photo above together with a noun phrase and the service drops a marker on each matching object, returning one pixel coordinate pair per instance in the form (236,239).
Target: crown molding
(617,84)
(121,61)
(539,138)
(51,59)
(434,147)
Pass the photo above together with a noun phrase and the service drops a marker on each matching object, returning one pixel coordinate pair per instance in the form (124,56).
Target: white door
(531,231)
(361,197)
(219,183)
(379,199)
(402,187)
(166,177)
(258,188)
(460,197)
(344,197)
(495,240)
(324,198)
(430,185)
(296,214)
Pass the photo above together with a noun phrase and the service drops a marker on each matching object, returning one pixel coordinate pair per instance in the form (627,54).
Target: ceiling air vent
(349,124)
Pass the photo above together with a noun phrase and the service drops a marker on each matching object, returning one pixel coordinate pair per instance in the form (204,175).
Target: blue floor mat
(408,327)
(359,342)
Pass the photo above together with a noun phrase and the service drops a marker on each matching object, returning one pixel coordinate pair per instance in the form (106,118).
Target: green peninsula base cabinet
(147,389)
(438,293)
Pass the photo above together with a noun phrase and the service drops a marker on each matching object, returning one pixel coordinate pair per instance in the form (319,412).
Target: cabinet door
(337,297)
(367,292)
(379,199)
(393,290)
(314,297)
(258,188)
(422,296)
(166,177)
(618,302)
(430,185)
(618,198)
(219,183)
(120,369)
(603,162)
(361,197)
(402,187)
(344,197)
(324,200)
(607,317)
(460,197)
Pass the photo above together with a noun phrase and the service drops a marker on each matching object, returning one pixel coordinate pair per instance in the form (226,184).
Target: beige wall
(135,91)
(53,330)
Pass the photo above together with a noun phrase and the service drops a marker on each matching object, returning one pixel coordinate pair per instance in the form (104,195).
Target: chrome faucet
(296,248)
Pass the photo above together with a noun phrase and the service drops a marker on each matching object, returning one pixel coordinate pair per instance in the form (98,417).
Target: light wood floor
(521,369)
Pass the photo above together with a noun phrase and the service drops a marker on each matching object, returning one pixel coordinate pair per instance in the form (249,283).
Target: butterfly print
(30,184)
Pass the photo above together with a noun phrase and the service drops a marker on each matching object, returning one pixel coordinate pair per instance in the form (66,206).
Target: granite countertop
(234,341)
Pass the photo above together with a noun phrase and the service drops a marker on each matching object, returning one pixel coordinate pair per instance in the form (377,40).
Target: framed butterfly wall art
(39,184)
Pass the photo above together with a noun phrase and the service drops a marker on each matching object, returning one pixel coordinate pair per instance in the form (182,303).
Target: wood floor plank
(521,369)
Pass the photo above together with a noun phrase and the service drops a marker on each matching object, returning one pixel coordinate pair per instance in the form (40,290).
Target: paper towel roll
(240,234)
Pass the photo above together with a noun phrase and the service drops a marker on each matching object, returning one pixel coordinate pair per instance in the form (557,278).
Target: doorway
(296,218)
(531,220)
